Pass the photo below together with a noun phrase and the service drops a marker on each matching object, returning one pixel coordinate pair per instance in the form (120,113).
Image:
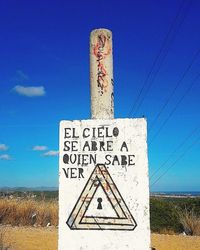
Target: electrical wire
(175,107)
(175,88)
(174,163)
(163,47)
(176,149)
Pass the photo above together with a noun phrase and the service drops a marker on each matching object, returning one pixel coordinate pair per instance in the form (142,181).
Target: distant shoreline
(159,194)
(185,194)
(174,196)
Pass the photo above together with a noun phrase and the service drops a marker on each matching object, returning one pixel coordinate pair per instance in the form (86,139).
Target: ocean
(175,193)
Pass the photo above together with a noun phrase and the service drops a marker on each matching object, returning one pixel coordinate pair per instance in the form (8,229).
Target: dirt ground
(175,242)
(30,238)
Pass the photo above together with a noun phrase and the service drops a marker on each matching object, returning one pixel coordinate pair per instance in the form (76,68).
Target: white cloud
(29,91)
(3,147)
(5,157)
(39,148)
(51,153)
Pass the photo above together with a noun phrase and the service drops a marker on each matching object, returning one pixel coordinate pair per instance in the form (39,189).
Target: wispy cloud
(3,147)
(21,75)
(40,148)
(30,91)
(51,153)
(5,157)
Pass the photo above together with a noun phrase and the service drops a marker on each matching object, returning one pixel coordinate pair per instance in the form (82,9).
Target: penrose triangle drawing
(121,218)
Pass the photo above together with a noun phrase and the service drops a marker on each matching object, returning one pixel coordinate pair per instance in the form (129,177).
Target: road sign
(103,190)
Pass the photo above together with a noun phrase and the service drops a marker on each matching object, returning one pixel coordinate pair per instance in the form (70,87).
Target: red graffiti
(102,47)
(101,50)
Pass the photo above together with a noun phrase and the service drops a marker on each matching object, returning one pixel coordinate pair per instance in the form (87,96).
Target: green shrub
(164,216)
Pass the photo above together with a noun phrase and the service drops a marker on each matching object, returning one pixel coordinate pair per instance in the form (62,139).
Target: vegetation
(175,215)
(164,216)
(190,222)
(36,195)
(167,215)
(28,212)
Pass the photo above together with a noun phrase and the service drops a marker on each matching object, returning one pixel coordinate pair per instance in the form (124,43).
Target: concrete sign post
(101,74)
(103,189)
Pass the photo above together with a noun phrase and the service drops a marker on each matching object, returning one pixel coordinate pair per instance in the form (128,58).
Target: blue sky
(45,45)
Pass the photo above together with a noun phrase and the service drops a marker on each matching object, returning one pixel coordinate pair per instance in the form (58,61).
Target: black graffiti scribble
(112,97)
(101,51)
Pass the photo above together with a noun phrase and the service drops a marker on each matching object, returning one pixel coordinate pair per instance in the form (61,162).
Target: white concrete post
(103,185)
(101,74)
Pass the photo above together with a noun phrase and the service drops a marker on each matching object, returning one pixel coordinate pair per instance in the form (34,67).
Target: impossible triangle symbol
(123,220)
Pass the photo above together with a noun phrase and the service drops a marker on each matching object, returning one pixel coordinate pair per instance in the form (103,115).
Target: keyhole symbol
(99,203)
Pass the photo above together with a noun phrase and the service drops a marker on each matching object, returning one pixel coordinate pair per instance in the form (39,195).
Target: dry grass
(190,222)
(28,212)
(167,231)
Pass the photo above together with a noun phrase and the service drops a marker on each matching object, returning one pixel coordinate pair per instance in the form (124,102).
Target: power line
(159,66)
(163,47)
(175,88)
(177,148)
(178,159)
(175,107)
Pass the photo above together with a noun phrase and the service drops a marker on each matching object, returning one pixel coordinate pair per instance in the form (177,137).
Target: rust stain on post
(101,74)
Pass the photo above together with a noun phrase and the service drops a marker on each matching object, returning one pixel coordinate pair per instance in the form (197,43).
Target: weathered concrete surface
(104,206)
(101,74)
